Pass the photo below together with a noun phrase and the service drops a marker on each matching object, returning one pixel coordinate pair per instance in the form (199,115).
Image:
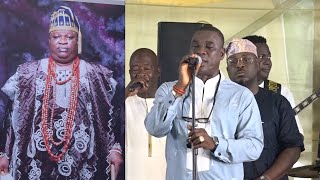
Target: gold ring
(201,138)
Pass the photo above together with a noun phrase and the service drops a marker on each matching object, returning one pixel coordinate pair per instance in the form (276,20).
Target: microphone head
(134,86)
(194,60)
(199,59)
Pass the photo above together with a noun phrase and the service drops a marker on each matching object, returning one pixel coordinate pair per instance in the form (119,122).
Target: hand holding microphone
(193,61)
(186,64)
(135,86)
(138,83)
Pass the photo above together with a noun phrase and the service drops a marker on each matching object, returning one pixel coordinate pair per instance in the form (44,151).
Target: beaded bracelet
(2,154)
(178,90)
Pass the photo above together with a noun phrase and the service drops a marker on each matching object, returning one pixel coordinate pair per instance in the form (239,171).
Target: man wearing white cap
(61,121)
(282,140)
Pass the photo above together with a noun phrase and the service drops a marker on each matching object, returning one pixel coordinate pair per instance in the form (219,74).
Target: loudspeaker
(173,43)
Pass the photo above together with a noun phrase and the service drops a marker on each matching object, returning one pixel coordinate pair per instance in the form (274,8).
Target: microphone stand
(194,151)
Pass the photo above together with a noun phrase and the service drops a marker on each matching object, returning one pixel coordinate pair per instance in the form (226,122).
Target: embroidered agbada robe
(92,135)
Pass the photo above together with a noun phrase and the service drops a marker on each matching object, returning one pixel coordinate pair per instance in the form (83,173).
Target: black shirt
(280,132)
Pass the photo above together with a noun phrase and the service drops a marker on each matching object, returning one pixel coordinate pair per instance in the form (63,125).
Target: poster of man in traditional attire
(62,89)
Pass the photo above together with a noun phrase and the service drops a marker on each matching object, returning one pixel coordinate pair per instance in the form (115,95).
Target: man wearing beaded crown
(62,118)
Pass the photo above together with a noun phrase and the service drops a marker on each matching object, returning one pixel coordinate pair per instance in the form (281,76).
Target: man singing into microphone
(229,130)
(145,158)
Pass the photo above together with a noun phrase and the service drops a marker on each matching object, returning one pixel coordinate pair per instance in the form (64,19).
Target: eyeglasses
(202,120)
(245,59)
(264,57)
(199,120)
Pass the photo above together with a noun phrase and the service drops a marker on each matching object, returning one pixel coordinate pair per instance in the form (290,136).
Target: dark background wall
(173,43)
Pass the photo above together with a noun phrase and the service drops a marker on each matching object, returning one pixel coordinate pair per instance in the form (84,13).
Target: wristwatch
(215,140)
(216,143)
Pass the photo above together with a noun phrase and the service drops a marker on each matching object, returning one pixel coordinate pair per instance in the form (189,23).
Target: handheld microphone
(134,86)
(193,61)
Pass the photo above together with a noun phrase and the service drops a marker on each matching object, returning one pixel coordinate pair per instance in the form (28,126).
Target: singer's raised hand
(185,76)
(200,139)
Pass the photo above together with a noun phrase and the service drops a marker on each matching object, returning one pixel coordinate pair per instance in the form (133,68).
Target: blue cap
(64,19)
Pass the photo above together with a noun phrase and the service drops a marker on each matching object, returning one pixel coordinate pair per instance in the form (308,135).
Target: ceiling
(227,4)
